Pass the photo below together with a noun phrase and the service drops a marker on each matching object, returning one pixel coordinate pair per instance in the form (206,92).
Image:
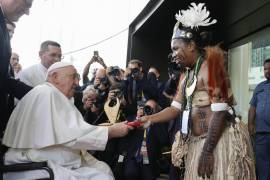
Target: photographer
(102,84)
(114,74)
(117,92)
(153,76)
(174,71)
(143,147)
(111,153)
(94,113)
(170,87)
(96,58)
(137,87)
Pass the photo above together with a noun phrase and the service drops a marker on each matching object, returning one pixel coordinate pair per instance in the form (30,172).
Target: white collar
(43,67)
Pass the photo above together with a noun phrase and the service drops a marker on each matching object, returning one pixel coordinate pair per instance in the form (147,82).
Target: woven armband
(219,107)
(177,105)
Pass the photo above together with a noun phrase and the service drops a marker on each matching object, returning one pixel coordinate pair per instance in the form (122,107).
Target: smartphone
(96,53)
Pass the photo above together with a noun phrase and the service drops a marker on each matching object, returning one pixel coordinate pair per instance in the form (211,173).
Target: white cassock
(46,126)
(33,75)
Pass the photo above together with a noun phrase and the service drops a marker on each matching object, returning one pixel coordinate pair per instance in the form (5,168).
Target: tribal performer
(212,142)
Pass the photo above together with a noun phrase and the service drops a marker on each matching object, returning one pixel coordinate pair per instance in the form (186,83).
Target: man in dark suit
(143,147)
(139,86)
(11,10)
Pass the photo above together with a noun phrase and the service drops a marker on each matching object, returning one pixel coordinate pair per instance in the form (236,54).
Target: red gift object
(134,123)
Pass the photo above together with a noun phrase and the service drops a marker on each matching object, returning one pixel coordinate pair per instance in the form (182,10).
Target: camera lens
(115,72)
(97,105)
(113,102)
(140,104)
(135,72)
(104,81)
(117,93)
(147,110)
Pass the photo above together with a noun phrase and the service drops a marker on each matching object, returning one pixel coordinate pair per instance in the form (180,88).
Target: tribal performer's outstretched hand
(145,121)
(206,164)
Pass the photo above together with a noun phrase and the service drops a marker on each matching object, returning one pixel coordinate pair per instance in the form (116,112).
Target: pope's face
(68,80)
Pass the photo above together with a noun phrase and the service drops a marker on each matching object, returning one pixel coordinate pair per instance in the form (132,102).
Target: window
(246,68)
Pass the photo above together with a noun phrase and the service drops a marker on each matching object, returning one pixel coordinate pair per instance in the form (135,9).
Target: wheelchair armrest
(27,167)
(23,166)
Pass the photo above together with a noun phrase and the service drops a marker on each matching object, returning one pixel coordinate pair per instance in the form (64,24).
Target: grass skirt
(233,155)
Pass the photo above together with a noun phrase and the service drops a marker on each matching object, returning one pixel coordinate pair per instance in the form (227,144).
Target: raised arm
(86,70)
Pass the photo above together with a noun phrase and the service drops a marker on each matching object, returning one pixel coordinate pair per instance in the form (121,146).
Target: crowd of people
(120,123)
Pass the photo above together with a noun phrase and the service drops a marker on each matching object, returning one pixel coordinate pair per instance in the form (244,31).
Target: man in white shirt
(50,53)
(46,126)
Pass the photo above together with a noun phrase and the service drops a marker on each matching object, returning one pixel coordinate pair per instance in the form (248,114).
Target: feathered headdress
(195,16)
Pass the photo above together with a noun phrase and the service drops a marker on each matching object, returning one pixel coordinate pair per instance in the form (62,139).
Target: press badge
(121,158)
(145,160)
(185,117)
(144,153)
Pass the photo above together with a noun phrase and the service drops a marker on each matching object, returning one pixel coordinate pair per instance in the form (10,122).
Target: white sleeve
(95,140)
(23,77)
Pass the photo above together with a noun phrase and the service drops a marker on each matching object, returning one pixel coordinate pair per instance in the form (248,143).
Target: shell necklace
(191,84)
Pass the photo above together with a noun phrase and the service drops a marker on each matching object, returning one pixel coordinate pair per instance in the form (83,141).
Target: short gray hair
(89,89)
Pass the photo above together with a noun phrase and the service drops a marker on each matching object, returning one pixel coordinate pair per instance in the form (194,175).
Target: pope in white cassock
(46,126)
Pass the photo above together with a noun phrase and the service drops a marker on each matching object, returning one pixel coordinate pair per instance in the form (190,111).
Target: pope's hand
(119,130)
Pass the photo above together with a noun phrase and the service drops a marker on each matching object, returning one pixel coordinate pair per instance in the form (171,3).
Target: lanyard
(188,89)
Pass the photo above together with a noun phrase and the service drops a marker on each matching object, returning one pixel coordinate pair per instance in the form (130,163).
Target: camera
(141,104)
(147,110)
(174,69)
(117,94)
(135,72)
(97,104)
(173,66)
(113,102)
(104,81)
(115,71)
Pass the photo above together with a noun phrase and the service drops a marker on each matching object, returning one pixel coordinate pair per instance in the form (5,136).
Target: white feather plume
(195,16)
